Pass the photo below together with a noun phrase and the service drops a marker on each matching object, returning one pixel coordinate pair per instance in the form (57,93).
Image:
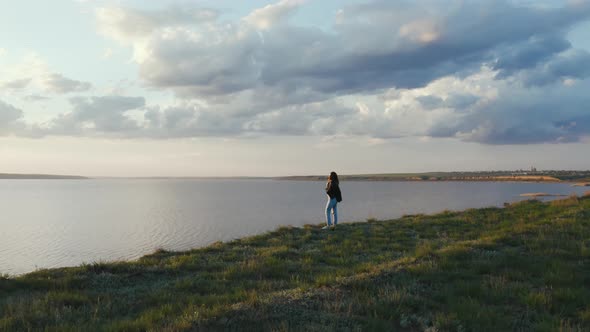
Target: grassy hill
(525,267)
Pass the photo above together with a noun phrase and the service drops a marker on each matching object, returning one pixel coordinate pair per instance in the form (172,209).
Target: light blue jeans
(331,208)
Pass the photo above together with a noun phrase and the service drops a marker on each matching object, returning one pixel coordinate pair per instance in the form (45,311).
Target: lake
(56,223)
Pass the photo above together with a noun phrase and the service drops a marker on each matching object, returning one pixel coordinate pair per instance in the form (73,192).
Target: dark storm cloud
(527,55)
(571,64)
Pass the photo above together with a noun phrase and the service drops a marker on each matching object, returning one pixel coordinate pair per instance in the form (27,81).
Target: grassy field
(525,267)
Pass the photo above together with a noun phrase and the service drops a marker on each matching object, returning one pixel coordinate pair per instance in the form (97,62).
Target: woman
(334,196)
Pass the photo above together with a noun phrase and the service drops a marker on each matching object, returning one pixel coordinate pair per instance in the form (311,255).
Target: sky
(292,87)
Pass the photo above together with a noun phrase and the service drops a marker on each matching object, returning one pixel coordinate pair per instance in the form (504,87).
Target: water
(56,223)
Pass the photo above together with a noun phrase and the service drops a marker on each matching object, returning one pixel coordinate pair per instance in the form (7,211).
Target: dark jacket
(333,190)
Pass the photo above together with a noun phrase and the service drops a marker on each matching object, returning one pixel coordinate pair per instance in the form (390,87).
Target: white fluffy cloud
(271,15)
(33,73)
(128,25)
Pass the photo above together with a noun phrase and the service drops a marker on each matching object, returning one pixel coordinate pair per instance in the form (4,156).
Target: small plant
(426,248)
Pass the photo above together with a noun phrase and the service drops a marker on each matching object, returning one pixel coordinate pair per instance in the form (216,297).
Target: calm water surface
(55,223)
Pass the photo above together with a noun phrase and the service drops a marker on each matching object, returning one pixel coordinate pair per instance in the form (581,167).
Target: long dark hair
(334,178)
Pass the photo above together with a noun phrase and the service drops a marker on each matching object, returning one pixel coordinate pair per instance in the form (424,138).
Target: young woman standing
(334,196)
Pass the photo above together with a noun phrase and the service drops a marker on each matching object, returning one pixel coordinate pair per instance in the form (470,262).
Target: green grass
(525,267)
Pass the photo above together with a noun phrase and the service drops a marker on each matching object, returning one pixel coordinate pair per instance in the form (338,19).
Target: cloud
(410,45)
(32,73)
(572,64)
(10,118)
(490,71)
(188,120)
(57,83)
(453,100)
(128,24)
(192,120)
(16,84)
(271,15)
(519,114)
(35,97)
(318,118)
(537,49)
(477,108)
(9,113)
(103,115)
(107,53)
(556,116)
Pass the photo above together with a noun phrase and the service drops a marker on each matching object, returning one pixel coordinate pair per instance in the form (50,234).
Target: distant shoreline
(378,179)
(549,177)
(8,176)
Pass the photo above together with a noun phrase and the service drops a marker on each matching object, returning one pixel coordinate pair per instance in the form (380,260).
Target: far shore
(547,179)
(9,176)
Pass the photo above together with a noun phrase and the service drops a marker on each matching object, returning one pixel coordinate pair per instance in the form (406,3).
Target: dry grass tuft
(571,200)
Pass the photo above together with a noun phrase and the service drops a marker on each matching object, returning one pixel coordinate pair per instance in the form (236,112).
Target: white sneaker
(326,227)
